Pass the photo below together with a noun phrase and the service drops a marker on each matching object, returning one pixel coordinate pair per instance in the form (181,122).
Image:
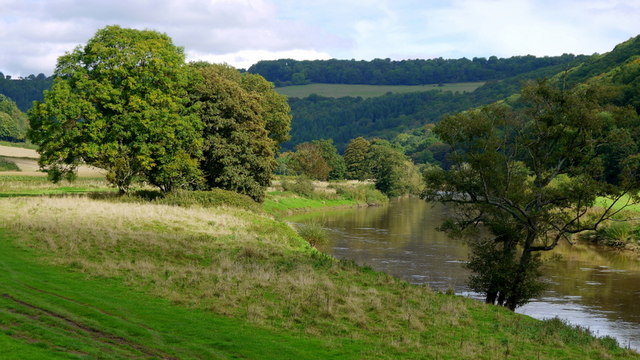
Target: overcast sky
(33,33)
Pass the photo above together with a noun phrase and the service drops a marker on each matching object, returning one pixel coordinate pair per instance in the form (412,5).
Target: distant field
(368,91)
(27,161)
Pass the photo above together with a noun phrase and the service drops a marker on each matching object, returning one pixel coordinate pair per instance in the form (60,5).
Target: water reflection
(589,286)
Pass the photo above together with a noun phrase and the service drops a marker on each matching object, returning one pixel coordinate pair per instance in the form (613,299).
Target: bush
(362,193)
(617,234)
(302,186)
(313,233)
(8,165)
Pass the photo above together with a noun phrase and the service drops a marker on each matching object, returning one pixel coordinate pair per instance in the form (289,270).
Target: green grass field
(368,91)
(90,278)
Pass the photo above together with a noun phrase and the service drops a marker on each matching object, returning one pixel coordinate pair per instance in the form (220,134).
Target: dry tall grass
(226,260)
(249,266)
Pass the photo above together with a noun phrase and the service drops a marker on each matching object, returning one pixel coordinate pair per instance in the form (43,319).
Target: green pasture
(368,91)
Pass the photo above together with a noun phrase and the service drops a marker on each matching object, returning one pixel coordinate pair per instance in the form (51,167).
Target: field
(368,91)
(85,273)
(26,160)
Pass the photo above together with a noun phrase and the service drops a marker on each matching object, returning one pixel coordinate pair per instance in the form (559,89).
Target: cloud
(33,33)
(39,31)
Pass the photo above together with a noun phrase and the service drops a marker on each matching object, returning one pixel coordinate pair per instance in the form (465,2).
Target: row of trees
(405,72)
(25,90)
(393,172)
(128,103)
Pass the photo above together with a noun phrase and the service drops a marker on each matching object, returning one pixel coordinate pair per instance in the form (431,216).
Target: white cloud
(33,33)
(39,31)
(245,58)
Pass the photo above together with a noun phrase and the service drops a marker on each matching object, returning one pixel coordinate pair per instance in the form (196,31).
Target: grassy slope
(367,91)
(241,285)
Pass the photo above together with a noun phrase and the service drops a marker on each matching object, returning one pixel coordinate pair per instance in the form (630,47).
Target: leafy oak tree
(308,160)
(355,158)
(244,121)
(120,103)
(531,177)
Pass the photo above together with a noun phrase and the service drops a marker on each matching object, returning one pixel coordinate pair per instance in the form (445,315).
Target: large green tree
(531,177)
(333,159)
(356,159)
(393,172)
(120,103)
(244,121)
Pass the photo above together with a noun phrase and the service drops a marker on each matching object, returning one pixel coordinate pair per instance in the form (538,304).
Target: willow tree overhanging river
(588,285)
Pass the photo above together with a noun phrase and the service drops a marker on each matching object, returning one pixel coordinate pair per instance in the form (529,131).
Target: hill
(392,114)
(369,91)
(405,72)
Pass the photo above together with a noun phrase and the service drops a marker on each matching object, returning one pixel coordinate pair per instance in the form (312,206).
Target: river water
(590,286)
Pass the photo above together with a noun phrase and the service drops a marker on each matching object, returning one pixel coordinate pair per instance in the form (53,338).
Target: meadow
(368,91)
(85,273)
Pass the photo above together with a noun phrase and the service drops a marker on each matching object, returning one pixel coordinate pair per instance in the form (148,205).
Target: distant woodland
(405,72)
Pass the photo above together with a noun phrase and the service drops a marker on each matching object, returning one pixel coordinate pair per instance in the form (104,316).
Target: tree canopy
(237,111)
(531,176)
(120,103)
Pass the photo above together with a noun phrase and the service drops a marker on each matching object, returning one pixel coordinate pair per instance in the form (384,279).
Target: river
(590,286)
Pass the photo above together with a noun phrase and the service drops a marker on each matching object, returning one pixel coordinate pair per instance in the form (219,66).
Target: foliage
(8,165)
(364,193)
(275,109)
(530,176)
(119,103)
(13,123)
(302,186)
(406,72)
(356,159)
(308,160)
(333,159)
(24,91)
(393,171)
(238,153)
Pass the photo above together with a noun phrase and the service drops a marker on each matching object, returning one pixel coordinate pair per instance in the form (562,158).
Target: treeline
(392,172)
(286,72)
(25,90)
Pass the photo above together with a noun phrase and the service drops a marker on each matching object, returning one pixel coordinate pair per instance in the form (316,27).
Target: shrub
(313,233)
(617,234)
(362,193)
(302,186)
(8,165)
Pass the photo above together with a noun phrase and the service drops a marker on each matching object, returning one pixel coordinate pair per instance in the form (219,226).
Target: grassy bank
(167,281)
(299,194)
(368,91)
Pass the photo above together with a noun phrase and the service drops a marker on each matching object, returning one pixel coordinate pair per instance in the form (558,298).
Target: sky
(34,33)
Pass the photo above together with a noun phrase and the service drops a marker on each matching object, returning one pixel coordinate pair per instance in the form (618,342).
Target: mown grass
(48,312)
(245,267)
(368,91)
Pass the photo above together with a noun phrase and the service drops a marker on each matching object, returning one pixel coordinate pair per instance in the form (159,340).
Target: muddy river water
(589,286)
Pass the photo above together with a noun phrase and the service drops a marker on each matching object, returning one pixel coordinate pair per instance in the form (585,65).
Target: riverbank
(245,272)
